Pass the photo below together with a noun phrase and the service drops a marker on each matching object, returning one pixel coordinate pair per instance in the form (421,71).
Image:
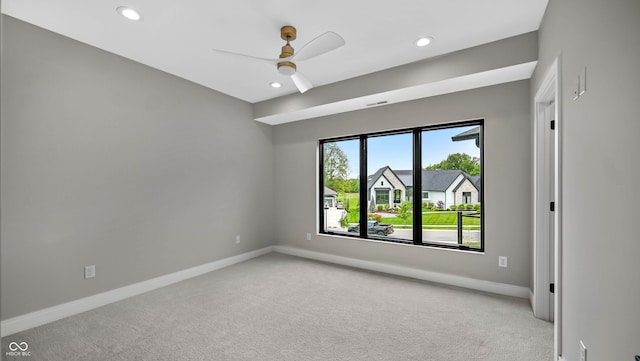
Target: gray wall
(507,171)
(600,145)
(109,162)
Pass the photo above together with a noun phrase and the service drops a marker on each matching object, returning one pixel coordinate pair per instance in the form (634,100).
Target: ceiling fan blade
(302,83)
(322,44)
(269,61)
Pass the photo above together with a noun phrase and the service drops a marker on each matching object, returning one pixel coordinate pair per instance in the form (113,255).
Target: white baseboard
(44,316)
(532,299)
(448,279)
(41,317)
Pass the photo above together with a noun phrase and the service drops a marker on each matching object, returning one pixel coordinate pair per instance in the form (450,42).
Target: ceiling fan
(285,62)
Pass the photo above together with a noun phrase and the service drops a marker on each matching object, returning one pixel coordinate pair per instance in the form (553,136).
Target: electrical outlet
(308,236)
(502,261)
(238,239)
(89,272)
(583,351)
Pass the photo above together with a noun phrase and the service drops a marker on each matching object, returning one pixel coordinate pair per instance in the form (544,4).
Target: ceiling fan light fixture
(287,68)
(424,41)
(129,13)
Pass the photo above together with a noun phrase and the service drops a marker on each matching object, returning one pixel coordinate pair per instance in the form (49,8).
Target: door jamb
(549,91)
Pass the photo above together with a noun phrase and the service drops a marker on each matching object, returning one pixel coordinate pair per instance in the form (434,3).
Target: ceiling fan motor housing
(287,51)
(287,33)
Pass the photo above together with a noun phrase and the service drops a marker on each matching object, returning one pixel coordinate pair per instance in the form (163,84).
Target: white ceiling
(178,36)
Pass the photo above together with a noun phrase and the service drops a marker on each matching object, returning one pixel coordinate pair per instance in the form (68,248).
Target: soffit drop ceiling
(178,36)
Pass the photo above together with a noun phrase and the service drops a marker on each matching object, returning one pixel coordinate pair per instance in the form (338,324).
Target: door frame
(547,94)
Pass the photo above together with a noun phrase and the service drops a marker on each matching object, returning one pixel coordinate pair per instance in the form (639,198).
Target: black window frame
(417,185)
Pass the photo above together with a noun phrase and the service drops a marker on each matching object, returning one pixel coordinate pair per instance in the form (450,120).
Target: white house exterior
(385,188)
(466,192)
(446,196)
(451,187)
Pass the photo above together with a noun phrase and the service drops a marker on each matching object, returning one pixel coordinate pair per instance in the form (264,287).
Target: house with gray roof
(329,197)
(386,188)
(471,134)
(452,187)
(333,213)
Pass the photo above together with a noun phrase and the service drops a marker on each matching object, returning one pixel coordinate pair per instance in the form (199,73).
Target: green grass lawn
(349,200)
(437,220)
(430,220)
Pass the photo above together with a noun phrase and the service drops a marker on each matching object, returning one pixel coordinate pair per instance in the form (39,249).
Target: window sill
(404,243)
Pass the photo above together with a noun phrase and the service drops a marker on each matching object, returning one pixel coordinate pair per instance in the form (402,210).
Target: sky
(395,150)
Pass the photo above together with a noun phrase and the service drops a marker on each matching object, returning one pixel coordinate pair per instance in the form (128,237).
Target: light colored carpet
(278,307)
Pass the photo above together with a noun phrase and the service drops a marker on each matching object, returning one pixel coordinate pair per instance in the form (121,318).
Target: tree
(404,211)
(336,167)
(353,185)
(372,206)
(458,161)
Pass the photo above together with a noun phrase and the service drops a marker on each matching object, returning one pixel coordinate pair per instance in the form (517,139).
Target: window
(389,157)
(409,194)
(397,196)
(382,196)
(441,163)
(340,186)
(328,202)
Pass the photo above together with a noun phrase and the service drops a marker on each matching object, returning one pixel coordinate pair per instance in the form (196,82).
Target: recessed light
(129,13)
(275,85)
(424,41)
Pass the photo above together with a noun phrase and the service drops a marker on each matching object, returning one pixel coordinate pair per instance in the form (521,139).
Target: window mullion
(417,186)
(321,212)
(364,204)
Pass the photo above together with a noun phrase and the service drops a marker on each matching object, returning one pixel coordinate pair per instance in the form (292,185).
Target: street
(438,236)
